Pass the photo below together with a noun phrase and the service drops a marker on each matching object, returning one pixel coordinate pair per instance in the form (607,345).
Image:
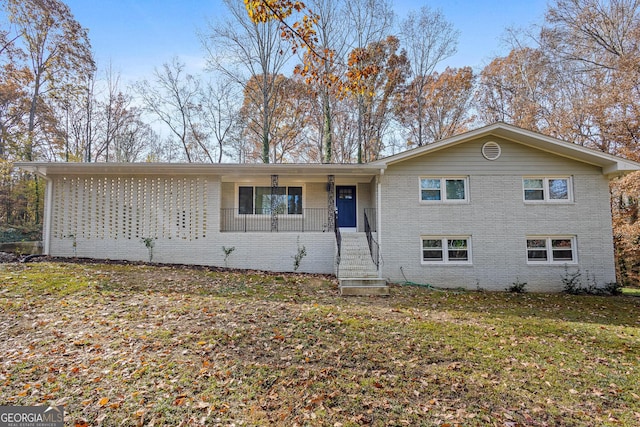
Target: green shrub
(517,287)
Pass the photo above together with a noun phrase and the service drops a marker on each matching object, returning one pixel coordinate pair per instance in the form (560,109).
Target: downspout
(379,219)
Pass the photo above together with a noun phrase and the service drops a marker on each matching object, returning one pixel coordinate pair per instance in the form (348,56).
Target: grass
(632,292)
(148,345)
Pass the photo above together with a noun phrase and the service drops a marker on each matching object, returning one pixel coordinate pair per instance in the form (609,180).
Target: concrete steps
(357,274)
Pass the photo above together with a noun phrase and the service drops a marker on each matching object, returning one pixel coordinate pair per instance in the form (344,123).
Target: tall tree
(323,65)
(221,111)
(375,75)
(444,106)
(174,98)
(58,52)
(513,88)
(428,39)
(370,22)
(250,50)
(57,47)
(291,109)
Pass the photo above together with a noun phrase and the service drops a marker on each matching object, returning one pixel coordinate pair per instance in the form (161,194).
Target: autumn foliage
(300,33)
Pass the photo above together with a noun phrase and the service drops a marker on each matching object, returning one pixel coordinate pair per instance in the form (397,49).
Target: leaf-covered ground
(152,345)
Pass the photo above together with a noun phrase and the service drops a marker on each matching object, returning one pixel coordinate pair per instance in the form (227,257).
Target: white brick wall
(498,221)
(91,210)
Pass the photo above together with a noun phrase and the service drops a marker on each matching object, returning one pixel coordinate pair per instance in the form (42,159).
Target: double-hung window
(267,200)
(446,250)
(547,189)
(436,189)
(551,250)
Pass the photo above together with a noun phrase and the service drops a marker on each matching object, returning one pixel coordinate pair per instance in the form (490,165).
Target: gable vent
(491,150)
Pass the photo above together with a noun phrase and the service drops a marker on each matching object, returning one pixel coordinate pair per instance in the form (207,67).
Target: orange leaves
(299,33)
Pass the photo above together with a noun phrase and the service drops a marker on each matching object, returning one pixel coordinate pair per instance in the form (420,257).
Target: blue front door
(346,204)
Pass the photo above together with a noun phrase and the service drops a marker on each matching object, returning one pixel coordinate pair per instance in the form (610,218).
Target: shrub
(613,288)
(517,287)
(571,282)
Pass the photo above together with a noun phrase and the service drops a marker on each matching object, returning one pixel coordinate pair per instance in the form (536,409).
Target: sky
(135,36)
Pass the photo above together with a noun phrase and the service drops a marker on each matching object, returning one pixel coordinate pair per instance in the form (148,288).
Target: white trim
(355,186)
(549,249)
(254,184)
(445,246)
(443,189)
(545,189)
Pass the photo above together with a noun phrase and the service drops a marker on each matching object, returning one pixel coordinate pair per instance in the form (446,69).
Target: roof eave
(46,169)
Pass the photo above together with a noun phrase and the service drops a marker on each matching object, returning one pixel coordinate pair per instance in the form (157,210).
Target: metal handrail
(374,248)
(309,220)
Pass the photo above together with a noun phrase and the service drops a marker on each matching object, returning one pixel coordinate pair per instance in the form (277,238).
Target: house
(483,209)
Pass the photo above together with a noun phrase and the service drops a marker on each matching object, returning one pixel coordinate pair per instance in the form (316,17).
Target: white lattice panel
(129,208)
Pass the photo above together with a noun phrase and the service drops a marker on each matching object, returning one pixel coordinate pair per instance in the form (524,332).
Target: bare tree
(174,98)
(428,39)
(220,106)
(242,50)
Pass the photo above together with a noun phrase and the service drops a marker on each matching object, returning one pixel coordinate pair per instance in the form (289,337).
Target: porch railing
(374,248)
(310,220)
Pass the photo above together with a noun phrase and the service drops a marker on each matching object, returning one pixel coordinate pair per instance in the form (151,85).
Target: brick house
(481,209)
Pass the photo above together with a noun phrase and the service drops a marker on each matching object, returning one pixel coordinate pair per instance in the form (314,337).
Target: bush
(517,287)
(571,282)
(20,234)
(613,288)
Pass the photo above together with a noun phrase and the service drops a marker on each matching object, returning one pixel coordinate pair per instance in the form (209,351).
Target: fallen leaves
(205,348)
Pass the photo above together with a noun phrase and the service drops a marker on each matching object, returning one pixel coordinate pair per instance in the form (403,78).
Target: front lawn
(156,345)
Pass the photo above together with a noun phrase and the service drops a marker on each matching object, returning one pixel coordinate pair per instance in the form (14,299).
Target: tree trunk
(327,129)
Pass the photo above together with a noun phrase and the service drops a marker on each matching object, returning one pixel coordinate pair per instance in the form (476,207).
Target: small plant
(74,244)
(149,243)
(297,258)
(227,252)
(517,287)
(613,288)
(571,282)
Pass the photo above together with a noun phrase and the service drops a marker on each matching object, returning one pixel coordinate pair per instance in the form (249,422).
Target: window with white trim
(547,189)
(446,250)
(260,200)
(551,250)
(436,189)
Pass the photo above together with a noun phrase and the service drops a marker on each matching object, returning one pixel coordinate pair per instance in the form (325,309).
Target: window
(547,189)
(260,200)
(551,250)
(446,250)
(443,189)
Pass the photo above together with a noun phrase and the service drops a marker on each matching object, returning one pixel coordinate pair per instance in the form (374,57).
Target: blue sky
(138,35)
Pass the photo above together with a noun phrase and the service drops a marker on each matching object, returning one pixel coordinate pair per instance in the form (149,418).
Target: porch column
(274,202)
(331,202)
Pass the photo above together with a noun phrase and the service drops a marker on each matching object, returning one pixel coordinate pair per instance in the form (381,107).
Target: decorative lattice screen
(129,208)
